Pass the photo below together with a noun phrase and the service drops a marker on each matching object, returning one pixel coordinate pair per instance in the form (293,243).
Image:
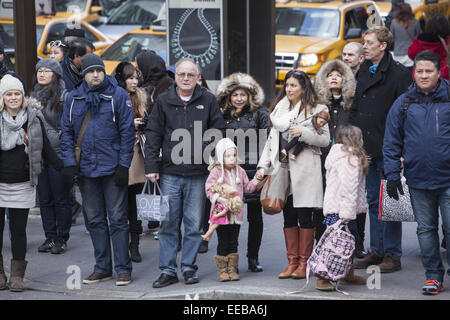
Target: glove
(68,174)
(392,186)
(121,177)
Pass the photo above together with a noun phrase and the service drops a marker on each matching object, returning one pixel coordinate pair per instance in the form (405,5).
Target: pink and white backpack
(332,257)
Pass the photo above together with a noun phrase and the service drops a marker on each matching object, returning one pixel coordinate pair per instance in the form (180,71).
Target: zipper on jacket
(437,122)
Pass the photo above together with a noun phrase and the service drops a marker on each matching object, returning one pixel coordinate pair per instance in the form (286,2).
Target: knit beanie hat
(222,146)
(9,83)
(51,64)
(91,62)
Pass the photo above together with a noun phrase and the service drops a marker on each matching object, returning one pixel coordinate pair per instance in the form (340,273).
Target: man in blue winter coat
(418,129)
(106,153)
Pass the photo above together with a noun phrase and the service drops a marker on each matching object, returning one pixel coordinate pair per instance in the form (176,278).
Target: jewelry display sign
(195,31)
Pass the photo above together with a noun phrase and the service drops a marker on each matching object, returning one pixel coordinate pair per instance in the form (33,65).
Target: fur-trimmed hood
(33,103)
(239,80)
(348,84)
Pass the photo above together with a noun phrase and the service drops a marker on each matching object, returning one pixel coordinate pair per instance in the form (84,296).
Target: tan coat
(305,171)
(137,171)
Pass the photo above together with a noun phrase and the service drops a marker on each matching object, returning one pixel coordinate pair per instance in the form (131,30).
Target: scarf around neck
(93,94)
(12,133)
(283,115)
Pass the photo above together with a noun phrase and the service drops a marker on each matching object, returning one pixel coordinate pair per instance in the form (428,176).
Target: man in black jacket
(380,81)
(182,113)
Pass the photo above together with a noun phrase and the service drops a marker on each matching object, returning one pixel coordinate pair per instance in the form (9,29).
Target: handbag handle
(147,187)
(156,185)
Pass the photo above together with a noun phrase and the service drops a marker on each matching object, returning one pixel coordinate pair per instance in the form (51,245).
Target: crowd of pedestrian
(382,112)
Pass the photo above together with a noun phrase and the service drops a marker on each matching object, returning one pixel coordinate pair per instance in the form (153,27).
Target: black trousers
(294,217)
(135,224)
(228,236)
(255,228)
(318,224)
(18,225)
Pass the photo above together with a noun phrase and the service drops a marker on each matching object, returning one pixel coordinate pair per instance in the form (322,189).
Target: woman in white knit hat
(23,144)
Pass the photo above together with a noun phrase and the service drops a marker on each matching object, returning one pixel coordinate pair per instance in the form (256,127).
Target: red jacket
(433,44)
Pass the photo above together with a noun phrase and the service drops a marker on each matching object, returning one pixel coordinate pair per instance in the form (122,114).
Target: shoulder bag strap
(85,123)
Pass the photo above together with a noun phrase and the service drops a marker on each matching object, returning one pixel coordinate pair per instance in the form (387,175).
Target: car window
(7,34)
(356,18)
(137,12)
(70,5)
(89,35)
(126,48)
(310,22)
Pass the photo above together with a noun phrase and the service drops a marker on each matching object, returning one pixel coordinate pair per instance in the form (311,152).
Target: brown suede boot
(222,265)
(17,273)
(324,285)
(233,262)
(3,279)
(351,278)
(306,238)
(291,240)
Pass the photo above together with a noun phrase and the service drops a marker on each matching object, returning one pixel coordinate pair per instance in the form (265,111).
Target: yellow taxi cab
(127,47)
(423,9)
(49,28)
(309,33)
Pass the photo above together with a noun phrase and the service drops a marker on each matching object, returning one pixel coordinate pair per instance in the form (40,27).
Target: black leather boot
(134,248)
(253,265)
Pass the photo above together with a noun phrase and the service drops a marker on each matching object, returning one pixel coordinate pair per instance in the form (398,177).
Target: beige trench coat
(305,172)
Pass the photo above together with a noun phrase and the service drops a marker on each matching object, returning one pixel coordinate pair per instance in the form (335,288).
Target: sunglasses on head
(57,43)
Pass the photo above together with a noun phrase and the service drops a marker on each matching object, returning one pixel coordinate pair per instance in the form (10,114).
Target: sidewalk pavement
(50,277)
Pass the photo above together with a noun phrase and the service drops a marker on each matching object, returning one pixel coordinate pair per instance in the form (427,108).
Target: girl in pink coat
(345,192)
(226,170)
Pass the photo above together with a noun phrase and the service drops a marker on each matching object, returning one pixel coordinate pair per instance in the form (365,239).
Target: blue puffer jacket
(422,138)
(110,135)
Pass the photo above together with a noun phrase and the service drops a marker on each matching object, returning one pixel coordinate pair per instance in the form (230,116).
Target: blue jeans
(55,201)
(101,199)
(187,201)
(425,205)
(385,236)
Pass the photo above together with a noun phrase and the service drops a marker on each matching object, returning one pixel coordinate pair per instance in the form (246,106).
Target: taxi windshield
(137,12)
(70,5)
(127,48)
(7,34)
(310,22)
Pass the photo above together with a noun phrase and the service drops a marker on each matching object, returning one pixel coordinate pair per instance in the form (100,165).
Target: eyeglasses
(57,43)
(43,71)
(189,75)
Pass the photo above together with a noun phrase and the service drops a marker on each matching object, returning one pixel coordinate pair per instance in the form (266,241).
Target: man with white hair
(183,106)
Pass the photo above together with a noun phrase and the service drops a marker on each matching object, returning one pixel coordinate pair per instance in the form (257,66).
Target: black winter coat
(374,97)
(169,114)
(246,121)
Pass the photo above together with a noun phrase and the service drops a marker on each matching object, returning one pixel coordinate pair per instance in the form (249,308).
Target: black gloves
(68,174)
(392,187)
(121,177)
